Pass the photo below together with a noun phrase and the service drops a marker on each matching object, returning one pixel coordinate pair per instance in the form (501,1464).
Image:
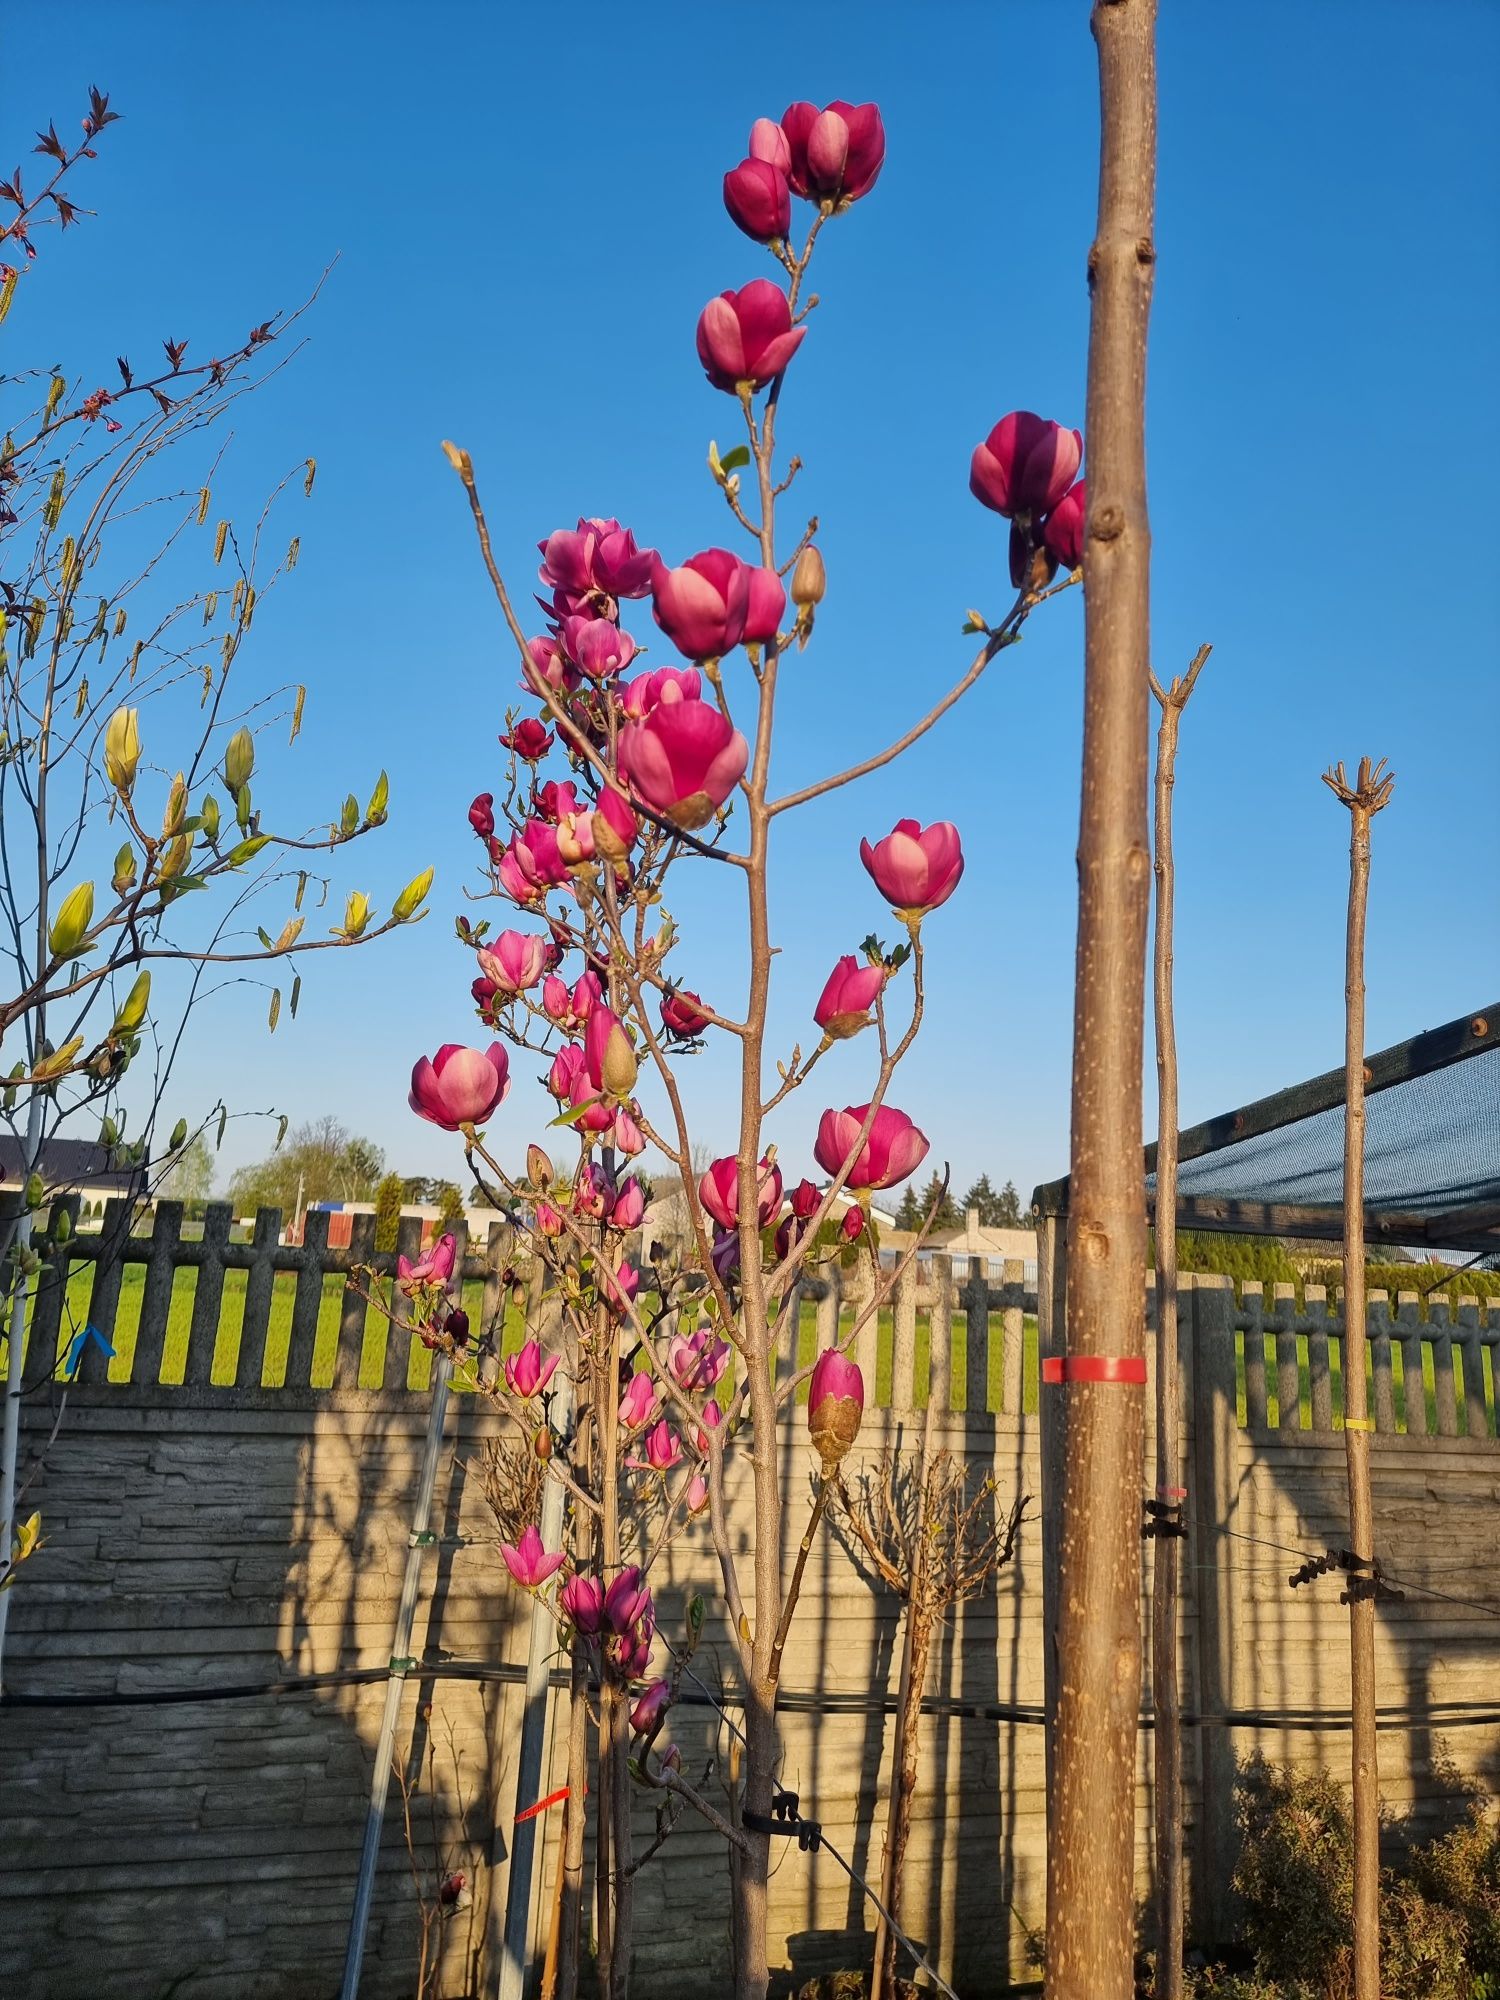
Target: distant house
(73,1166)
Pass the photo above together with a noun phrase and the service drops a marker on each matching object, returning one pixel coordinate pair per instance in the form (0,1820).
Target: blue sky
(525,208)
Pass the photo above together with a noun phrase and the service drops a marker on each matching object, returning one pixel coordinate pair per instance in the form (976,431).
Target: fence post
(1257,1413)
(307,1300)
(1013,1326)
(156,1294)
(904,1340)
(940,1332)
(1319,1376)
(1442,1367)
(1051,1321)
(208,1296)
(349,1355)
(1378,1327)
(104,1295)
(1413,1382)
(977,1352)
(1288,1375)
(260,1283)
(52,1289)
(1476,1421)
(1213,1484)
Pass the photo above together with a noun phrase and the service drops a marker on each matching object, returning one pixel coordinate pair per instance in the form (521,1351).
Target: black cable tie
(784,1818)
(1163,1519)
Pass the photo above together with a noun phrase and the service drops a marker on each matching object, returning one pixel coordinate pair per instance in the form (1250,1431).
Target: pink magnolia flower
(696,1497)
(805,1198)
(747,336)
(835,155)
(758,199)
(628,1602)
(894,1149)
(482,815)
(433,1267)
(581,1599)
(713,1417)
(719,1192)
(640,696)
(549,668)
(575,837)
(1025,465)
(684,760)
(682,1014)
(530,740)
(548,1220)
(835,1405)
(663,1447)
(851,992)
(616,828)
(633,1650)
(536,854)
(460,1086)
(627,1137)
(515,961)
(768,142)
(526,1372)
(591,1113)
(702,608)
(767,603)
(598,556)
(629,1206)
(696,1360)
(598,646)
(567,1065)
(512,878)
(528,1562)
(915,869)
(1062,532)
(853,1225)
(552,800)
(619,1287)
(639,1403)
(588,1192)
(651,1707)
(487,998)
(451,1890)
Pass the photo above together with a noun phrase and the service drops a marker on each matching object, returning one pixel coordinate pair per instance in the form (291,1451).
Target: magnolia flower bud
(809,578)
(538,1167)
(619,1068)
(239,760)
(176,812)
(124,875)
(133,1012)
(542,1444)
(122,749)
(71,924)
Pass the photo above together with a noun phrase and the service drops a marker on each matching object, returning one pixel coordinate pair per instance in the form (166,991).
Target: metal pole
(20,1298)
(364,1891)
(541,1645)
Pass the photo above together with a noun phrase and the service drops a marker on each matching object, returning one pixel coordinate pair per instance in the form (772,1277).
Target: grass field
(383,1346)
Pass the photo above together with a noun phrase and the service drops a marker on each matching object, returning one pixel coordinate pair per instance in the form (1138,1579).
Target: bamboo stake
(1090,1871)
(1165,1694)
(1363,800)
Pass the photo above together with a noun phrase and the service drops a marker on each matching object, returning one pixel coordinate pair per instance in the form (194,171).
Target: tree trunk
(1372,793)
(575,1821)
(1170,1493)
(1090,1872)
(751,1956)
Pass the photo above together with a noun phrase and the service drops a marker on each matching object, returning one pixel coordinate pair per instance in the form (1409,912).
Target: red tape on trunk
(1059,1368)
(552,1799)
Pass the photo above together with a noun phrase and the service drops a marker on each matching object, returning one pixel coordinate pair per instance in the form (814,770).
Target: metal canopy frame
(1473,1226)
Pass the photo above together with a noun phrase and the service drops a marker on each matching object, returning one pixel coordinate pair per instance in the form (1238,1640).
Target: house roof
(72,1163)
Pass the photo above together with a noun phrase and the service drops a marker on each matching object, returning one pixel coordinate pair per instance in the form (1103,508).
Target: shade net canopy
(1432,1150)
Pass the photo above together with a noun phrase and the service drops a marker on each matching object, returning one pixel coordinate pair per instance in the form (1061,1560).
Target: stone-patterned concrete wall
(201,1536)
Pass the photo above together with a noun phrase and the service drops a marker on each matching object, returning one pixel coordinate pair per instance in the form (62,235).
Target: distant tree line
(996,1211)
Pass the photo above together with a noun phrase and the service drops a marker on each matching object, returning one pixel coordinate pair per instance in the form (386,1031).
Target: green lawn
(380,1338)
(413,1366)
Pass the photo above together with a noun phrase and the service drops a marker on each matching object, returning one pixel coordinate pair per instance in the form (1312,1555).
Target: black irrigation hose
(1449,1714)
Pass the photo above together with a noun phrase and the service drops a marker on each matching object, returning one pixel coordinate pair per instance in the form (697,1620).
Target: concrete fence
(207,1534)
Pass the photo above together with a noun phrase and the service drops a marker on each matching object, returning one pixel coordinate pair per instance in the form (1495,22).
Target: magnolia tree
(617,774)
(130,758)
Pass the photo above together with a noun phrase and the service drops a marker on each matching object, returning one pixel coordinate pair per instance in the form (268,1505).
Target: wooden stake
(1090,1864)
(1167,1740)
(1363,800)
